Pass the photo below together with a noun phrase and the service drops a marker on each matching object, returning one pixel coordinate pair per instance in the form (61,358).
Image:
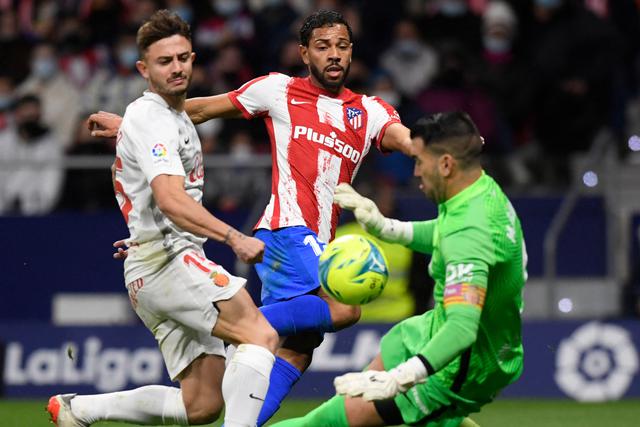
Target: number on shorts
(197,260)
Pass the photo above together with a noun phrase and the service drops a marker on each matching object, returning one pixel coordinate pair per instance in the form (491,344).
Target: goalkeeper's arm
(369,217)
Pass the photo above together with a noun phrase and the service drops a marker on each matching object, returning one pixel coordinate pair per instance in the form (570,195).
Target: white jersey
(155,139)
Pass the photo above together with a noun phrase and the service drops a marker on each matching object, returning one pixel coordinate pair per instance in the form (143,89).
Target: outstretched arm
(210,107)
(397,137)
(104,124)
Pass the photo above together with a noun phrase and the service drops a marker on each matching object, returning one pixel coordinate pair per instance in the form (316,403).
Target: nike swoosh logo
(255,397)
(186,141)
(294,102)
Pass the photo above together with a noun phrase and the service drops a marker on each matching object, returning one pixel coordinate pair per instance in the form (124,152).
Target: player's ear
(446,163)
(193,57)
(304,53)
(142,68)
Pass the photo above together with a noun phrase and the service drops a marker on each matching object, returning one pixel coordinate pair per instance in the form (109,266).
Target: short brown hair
(161,24)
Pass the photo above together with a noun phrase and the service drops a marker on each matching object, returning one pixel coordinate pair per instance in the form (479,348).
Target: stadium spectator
(411,62)
(114,86)
(61,101)
(15,47)
(574,55)
(31,174)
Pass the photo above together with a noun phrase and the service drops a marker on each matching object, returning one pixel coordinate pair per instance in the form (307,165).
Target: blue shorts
(290,264)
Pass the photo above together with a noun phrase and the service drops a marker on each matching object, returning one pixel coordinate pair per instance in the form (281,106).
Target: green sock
(330,414)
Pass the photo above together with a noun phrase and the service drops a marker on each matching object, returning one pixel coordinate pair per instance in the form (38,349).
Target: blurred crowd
(541,78)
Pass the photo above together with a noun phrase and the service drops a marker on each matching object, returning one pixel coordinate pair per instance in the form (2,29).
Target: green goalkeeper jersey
(479,267)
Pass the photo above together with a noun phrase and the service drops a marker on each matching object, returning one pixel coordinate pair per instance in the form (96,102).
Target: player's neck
(462,181)
(175,101)
(333,91)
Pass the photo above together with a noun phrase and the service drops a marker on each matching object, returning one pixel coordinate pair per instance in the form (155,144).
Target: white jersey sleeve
(256,97)
(155,146)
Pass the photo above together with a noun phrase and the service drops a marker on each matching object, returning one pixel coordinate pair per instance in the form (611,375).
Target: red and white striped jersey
(318,140)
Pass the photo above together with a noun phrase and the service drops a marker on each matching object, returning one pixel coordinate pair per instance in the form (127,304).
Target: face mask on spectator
(453,7)
(44,68)
(390,96)
(185,12)
(408,47)
(227,7)
(5,102)
(496,44)
(549,4)
(128,56)
(32,129)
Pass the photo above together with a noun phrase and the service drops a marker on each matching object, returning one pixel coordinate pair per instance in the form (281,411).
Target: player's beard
(163,88)
(331,86)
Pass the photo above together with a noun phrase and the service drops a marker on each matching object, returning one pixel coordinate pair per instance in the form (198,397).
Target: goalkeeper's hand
(380,385)
(104,124)
(369,217)
(365,210)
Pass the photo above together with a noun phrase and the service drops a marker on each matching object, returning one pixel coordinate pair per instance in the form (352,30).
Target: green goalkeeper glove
(369,217)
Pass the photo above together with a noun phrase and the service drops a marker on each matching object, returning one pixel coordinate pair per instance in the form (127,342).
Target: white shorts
(176,301)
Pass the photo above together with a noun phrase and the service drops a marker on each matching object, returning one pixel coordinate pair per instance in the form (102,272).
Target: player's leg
(246,379)
(349,412)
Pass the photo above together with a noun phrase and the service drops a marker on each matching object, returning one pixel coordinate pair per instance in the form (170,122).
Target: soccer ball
(353,269)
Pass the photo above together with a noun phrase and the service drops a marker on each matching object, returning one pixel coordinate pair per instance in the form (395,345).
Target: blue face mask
(44,68)
(549,4)
(127,56)
(5,102)
(184,12)
(453,7)
(496,44)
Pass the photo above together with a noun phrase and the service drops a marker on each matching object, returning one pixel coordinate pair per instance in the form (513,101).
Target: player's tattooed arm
(397,137)
(172,199)
(210,107)
(104,124)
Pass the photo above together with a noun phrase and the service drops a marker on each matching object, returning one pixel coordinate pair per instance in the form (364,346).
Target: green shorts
(435,402)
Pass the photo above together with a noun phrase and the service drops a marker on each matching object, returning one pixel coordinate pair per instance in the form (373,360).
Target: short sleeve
(256,97)
(155,144)
(380,116)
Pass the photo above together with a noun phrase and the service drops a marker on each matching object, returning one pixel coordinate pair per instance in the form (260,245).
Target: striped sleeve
(380,116)
(256,97)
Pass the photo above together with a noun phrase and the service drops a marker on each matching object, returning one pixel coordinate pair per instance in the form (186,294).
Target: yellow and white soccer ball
(353,269)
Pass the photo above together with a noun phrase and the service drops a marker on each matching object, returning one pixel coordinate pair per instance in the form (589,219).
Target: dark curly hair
(321,18)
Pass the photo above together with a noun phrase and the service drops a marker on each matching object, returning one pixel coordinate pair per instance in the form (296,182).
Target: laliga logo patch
(596,363)
(159,151)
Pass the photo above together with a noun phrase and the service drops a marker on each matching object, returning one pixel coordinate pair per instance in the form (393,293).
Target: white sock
(153,404)
(245,385)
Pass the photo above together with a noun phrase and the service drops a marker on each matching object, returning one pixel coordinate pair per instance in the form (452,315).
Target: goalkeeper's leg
(468,422)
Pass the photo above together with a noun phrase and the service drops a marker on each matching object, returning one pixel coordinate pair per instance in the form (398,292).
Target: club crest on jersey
(354,117)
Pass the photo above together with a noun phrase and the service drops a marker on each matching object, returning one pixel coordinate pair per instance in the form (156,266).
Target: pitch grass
(502,413)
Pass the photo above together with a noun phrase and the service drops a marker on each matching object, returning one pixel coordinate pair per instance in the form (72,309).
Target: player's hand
(378,385)
(365,210)
(104,124)
(122,252)
(248,249)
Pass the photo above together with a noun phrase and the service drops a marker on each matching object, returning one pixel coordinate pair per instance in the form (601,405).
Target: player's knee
(203,411)
(343,315)
(258,331)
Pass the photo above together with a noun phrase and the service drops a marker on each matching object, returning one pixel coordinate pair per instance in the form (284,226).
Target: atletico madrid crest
(354,116)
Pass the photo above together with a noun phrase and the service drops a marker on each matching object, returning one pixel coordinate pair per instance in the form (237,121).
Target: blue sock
(306,313)
(283,376)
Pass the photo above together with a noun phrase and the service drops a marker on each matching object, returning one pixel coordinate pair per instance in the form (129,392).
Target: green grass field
(502,413)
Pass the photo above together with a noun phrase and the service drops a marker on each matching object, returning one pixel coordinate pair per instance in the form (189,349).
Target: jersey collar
(344,95)
(468,193)
(152,96)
